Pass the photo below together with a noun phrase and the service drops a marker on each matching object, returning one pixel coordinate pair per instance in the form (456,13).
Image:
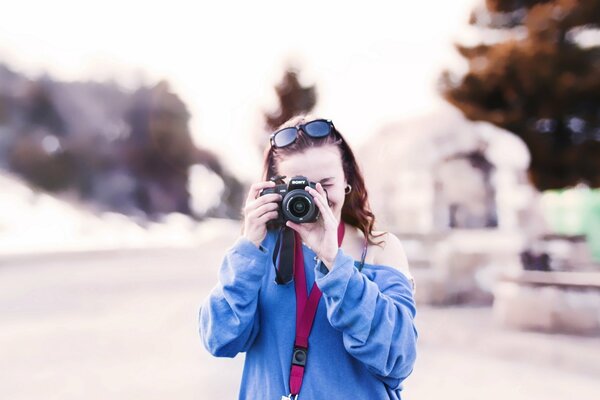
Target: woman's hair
(356,210)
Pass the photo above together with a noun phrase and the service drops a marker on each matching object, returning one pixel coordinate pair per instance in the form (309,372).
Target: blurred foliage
(540,82)
(126,152)
(293,99)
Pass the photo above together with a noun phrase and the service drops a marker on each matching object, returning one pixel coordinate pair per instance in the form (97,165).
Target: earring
(348,189)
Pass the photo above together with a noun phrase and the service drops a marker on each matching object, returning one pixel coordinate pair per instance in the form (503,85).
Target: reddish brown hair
(356,210)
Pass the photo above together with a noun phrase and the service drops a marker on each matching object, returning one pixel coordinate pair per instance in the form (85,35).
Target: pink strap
(296,375)
(306,309)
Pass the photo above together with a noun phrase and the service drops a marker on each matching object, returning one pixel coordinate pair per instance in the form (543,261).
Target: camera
(297,205)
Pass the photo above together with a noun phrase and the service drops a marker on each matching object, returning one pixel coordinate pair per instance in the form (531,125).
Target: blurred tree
(49,170)
(38,154)
(542,82)
(293,99)
(160,152)
(121,151)
(159,149)
(41,110)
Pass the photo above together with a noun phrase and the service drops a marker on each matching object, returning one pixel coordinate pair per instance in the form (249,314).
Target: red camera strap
(306,308)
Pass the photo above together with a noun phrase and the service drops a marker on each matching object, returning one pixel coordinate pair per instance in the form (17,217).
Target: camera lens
(299,206)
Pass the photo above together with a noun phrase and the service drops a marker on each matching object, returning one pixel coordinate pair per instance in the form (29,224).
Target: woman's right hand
(258,211)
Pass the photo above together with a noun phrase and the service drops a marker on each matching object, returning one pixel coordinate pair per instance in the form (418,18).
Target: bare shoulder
(391,253)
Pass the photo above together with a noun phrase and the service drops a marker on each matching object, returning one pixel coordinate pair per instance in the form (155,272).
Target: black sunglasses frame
(300,127)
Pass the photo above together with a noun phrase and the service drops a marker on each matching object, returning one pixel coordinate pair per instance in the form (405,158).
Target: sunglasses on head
(318,128)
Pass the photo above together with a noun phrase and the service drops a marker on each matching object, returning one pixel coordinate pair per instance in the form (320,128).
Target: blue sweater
(363,341)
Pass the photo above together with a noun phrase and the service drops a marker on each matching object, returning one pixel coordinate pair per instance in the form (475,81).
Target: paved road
(123,325)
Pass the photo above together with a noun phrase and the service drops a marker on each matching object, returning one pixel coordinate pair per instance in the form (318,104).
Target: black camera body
(297,205)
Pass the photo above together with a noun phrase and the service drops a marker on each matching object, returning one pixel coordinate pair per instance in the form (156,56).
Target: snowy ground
(34,222)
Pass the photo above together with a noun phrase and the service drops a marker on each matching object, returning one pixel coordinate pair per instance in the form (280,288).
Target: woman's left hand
(320,236)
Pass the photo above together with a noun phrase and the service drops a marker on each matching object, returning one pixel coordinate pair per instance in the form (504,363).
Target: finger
(323,205)
(297,227)
(265,199)
(323,193)
(267,217)
(265,208)
(256,188)
(313,192)
(259,211)
(328,216)
(319,199)
(321,190)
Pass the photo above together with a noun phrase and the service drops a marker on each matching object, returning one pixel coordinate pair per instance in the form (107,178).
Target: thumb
(297,227)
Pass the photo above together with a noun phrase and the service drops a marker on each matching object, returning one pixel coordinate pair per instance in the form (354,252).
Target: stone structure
(457,194)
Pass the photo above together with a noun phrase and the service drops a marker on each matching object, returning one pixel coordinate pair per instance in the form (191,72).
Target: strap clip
(299,356)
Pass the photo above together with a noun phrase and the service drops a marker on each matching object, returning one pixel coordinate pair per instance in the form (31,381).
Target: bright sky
(371,64)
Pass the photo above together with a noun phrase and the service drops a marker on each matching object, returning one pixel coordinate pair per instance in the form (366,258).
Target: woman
(342,328)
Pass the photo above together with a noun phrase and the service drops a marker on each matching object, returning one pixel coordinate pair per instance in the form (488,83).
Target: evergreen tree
(542,83)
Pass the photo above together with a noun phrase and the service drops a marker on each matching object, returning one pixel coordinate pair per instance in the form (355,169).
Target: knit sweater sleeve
(375,318)
(228,317)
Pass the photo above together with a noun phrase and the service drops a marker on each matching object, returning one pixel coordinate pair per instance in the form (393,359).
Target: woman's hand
(258,211)
(320,236)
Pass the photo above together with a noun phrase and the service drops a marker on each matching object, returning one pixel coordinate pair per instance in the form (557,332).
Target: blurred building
(457,194)
(441,171)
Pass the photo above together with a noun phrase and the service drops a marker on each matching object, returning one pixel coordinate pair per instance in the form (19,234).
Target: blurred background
(130,133)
